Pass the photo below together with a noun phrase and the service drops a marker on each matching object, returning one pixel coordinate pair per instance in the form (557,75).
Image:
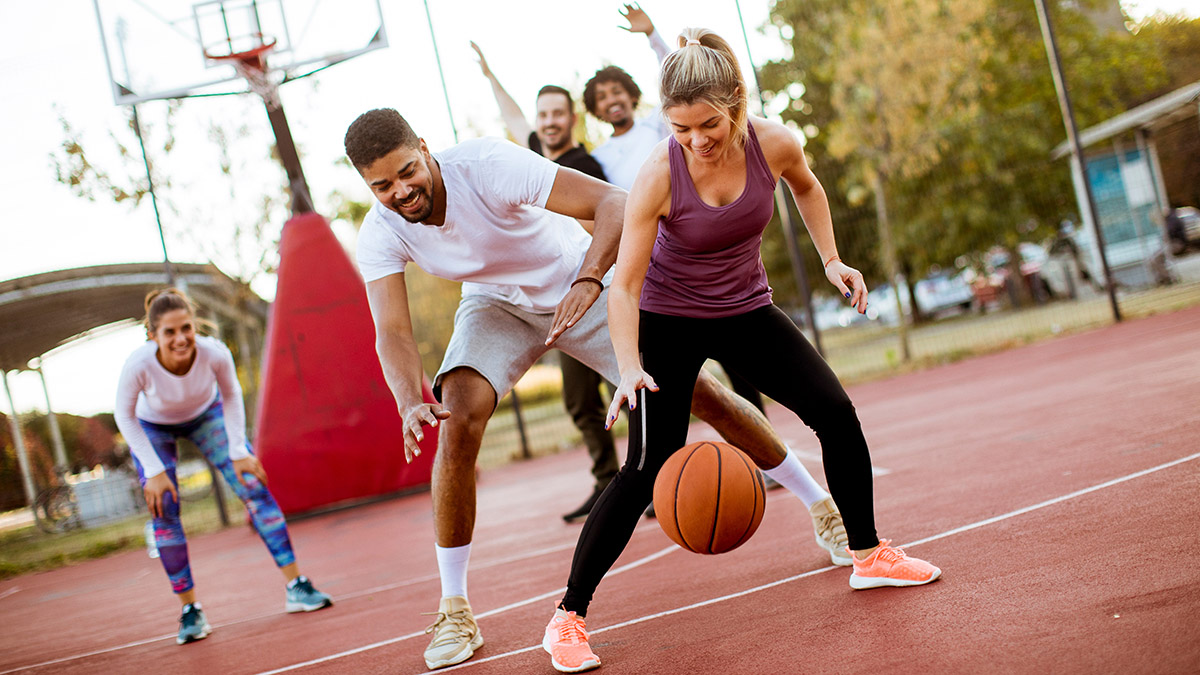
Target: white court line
(9,592)
(637,563)
(343,597)
(756,589)
(544,596)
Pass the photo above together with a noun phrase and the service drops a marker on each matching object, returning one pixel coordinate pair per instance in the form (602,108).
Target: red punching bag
(328,430)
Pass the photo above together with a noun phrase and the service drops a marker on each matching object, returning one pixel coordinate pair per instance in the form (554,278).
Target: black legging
(764,347)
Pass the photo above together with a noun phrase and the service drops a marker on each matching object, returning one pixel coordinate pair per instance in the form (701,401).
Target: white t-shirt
(622,156)
(498,238)
(148,391)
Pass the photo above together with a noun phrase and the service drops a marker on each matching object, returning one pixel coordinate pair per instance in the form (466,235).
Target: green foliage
(88,441)
(954,103)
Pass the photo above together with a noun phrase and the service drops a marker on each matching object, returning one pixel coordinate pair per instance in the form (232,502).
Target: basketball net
(251,64)
(254,69)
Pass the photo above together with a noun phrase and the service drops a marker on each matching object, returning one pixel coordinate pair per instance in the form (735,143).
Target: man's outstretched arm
(401,362)
(510,112)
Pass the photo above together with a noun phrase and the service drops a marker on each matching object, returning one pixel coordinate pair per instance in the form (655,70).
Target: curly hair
(376,133)
(609,74)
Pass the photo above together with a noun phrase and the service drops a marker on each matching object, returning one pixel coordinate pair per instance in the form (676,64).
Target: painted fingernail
(847,295)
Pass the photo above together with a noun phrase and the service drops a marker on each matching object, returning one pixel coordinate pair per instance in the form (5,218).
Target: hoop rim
(254,53)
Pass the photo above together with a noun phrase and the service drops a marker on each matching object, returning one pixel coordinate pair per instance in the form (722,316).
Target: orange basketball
(709,497)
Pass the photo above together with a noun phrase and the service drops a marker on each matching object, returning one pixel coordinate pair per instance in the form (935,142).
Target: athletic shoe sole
(475,643)
(842,560)
(293,607)
(861,583)
(586,665)
(192,638)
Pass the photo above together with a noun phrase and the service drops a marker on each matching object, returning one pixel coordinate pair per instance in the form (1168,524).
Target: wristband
(831,260)
(592,279)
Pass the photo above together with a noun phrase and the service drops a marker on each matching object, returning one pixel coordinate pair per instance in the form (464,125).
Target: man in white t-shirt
(612,96)
(498,218)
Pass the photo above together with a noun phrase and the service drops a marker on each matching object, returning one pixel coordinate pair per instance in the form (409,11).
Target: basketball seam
(712,536)
(757,486)
(675,494)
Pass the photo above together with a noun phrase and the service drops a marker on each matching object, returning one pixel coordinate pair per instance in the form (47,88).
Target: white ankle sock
(792,475)
(452,566)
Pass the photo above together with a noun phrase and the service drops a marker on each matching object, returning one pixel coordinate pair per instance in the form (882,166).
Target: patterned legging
(208,433)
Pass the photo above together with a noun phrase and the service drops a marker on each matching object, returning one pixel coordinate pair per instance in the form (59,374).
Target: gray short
(502,341)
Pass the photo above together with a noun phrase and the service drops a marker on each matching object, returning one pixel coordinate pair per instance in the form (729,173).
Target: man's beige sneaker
(455,634)
(830,532)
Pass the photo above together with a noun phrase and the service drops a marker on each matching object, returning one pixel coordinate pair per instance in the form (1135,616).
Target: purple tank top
(706,261)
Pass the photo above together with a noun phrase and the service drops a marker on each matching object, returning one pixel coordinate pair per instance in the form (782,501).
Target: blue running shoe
(192,624)
(302,597)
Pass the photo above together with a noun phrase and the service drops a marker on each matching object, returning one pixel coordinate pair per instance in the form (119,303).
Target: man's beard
(561,145)
(421,215)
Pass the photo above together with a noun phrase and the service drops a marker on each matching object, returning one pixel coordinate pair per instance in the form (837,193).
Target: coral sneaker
(566,642)
(889,566)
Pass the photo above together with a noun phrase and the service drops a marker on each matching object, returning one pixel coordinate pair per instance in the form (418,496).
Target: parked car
(1183,229)
(942,291)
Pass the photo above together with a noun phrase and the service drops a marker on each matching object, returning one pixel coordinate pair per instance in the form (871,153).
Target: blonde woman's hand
(627,391)
(849,283)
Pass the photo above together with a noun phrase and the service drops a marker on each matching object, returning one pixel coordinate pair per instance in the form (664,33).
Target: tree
(237,230)
(800,89)
(955,105)
(1177,40)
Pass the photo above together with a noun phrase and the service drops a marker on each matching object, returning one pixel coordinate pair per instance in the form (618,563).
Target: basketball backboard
(156,49)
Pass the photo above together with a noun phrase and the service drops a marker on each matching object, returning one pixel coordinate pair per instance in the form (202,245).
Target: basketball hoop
(251,64)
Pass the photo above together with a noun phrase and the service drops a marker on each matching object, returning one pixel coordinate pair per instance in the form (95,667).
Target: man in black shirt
(553,137)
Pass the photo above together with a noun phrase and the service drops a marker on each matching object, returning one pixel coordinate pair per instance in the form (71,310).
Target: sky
(52,64)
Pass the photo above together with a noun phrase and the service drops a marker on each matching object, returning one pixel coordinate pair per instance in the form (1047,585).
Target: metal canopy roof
(1162,111)
(44,311)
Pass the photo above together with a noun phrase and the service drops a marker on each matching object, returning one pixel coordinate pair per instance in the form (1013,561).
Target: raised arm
(649,201)
(401,362)
(787,158)
(639,22)
(585,198)
(514,119)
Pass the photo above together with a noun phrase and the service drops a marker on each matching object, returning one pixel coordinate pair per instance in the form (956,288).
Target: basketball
(709,497)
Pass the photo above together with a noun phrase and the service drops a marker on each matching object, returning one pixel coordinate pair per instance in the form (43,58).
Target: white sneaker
(830,532)
(455,634)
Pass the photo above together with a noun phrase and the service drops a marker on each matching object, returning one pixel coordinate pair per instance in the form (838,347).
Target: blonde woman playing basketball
(689,286)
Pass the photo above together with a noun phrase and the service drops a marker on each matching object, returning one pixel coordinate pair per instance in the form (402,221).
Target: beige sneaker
(455,634)
(830,532)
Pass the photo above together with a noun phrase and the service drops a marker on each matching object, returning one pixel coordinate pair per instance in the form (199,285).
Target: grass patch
(28,549)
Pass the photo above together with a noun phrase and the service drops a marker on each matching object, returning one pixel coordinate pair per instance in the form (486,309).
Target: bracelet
(832,259)
(592,279)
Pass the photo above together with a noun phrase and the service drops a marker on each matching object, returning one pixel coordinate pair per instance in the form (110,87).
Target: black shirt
(576,158)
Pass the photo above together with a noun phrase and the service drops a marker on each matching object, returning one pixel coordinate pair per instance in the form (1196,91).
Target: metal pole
(516,406)
(437,57)
(1068,114)
(56,439)
(137,130)
(290,158)
(790,233)
(14,425)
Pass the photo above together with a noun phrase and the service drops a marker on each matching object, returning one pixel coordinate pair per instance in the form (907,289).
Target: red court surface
(1056,485)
